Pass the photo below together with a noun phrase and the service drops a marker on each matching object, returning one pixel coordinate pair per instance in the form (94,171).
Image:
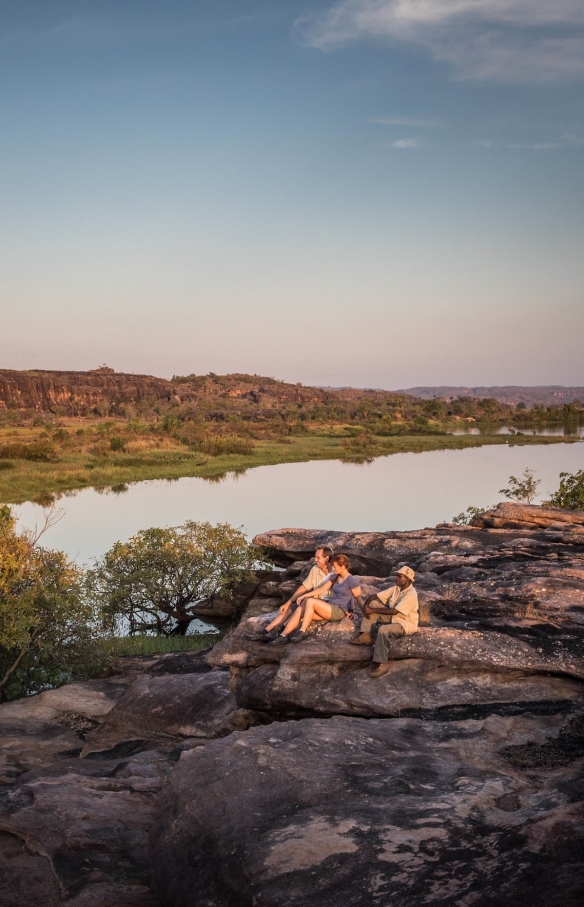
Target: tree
(524,490)
(466,517)
(570,494)
(152,582)
(46,627)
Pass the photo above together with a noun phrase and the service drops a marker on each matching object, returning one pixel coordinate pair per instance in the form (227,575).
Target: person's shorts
(337,613)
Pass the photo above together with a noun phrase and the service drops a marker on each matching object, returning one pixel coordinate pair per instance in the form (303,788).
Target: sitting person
(343,589)
(394,612)
(318,574)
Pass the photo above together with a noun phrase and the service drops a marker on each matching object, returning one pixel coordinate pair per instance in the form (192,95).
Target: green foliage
(117,646)
(152,582)
(38,450)
(46,626)
(523,489)
(217,445)
(570,494)
(467,516)
(117,443)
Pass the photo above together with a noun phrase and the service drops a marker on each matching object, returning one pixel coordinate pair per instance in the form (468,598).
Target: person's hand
(283,607)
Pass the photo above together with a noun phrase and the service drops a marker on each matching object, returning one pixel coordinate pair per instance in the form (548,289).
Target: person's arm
(315,592)
(358,596)
(293,598)
(376,605)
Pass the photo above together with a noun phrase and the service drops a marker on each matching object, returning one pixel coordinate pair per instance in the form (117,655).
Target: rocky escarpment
(502,626)
(363,813)
(78,393)
(81,770)
(455,779)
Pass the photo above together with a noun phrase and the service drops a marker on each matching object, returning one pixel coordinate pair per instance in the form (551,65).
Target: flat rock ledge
(361,813)
(456,779)
(437,671)
(81,769)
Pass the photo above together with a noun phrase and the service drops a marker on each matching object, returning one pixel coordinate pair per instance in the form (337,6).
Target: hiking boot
(362,640)
(383,668)
(264,635)
(279,640)
(298,635)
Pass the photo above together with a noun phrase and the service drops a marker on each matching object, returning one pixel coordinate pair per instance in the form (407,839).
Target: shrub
(117,443)
(467,516)
(570,494)
(217,445)
(46,626)
(152,582)
(523,490)
(38,450)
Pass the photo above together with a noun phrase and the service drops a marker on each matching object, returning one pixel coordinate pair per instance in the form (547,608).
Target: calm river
(403,491)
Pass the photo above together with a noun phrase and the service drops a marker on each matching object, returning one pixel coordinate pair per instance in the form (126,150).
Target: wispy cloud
(566,140)
(406,143)
(504,40)
(405,121)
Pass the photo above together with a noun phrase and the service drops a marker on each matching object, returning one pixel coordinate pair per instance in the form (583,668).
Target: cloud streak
(499,40)
(405,121)
(405,143)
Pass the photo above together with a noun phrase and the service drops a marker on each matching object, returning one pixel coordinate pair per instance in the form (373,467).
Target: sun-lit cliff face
(76,392)
(102,390)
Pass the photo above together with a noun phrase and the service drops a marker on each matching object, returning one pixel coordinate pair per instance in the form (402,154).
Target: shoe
(381,669)
(279,640)
(264,635)
(298,635)
(362,640)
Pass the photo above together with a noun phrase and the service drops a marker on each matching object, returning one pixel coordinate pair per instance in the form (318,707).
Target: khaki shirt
(406,603)
(315,578)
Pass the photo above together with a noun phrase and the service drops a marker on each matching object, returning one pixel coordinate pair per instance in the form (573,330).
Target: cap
(407,571)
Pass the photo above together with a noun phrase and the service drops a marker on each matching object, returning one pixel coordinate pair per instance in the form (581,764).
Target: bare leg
(294,621)
(315,609)
(279,620)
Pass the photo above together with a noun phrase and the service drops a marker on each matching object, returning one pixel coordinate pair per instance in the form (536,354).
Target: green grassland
(74,466)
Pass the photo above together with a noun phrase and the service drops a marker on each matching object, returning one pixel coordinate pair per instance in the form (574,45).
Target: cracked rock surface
(373,812)
(455,779)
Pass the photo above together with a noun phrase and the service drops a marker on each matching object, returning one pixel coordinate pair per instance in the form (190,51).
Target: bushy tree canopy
(152,582)
(46,627)
(570,494)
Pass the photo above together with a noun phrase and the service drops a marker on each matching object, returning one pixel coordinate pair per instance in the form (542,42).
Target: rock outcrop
(364,813)
(530,516)
(81,770)
(456,779)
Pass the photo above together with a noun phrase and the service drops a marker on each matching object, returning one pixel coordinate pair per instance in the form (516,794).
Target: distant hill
(103,391)
(549,395)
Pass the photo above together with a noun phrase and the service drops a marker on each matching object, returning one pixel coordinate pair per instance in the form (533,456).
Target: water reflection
(565,430)
(403,491)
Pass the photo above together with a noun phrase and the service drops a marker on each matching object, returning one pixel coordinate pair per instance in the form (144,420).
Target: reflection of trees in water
(219,477)
(121,488)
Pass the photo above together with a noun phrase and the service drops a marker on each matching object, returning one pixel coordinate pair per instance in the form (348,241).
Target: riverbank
(28,480)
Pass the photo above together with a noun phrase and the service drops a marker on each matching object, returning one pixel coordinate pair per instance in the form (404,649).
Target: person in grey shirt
(315,578)
(345,592)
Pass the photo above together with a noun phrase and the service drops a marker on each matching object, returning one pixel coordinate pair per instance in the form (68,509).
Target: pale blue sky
(373,192)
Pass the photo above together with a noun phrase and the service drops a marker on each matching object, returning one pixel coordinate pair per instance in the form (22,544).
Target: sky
(378,193)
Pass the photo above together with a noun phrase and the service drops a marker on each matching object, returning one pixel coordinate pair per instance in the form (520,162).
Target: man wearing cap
(394,612)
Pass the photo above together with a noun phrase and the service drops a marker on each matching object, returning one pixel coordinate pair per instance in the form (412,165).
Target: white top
(316,578)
